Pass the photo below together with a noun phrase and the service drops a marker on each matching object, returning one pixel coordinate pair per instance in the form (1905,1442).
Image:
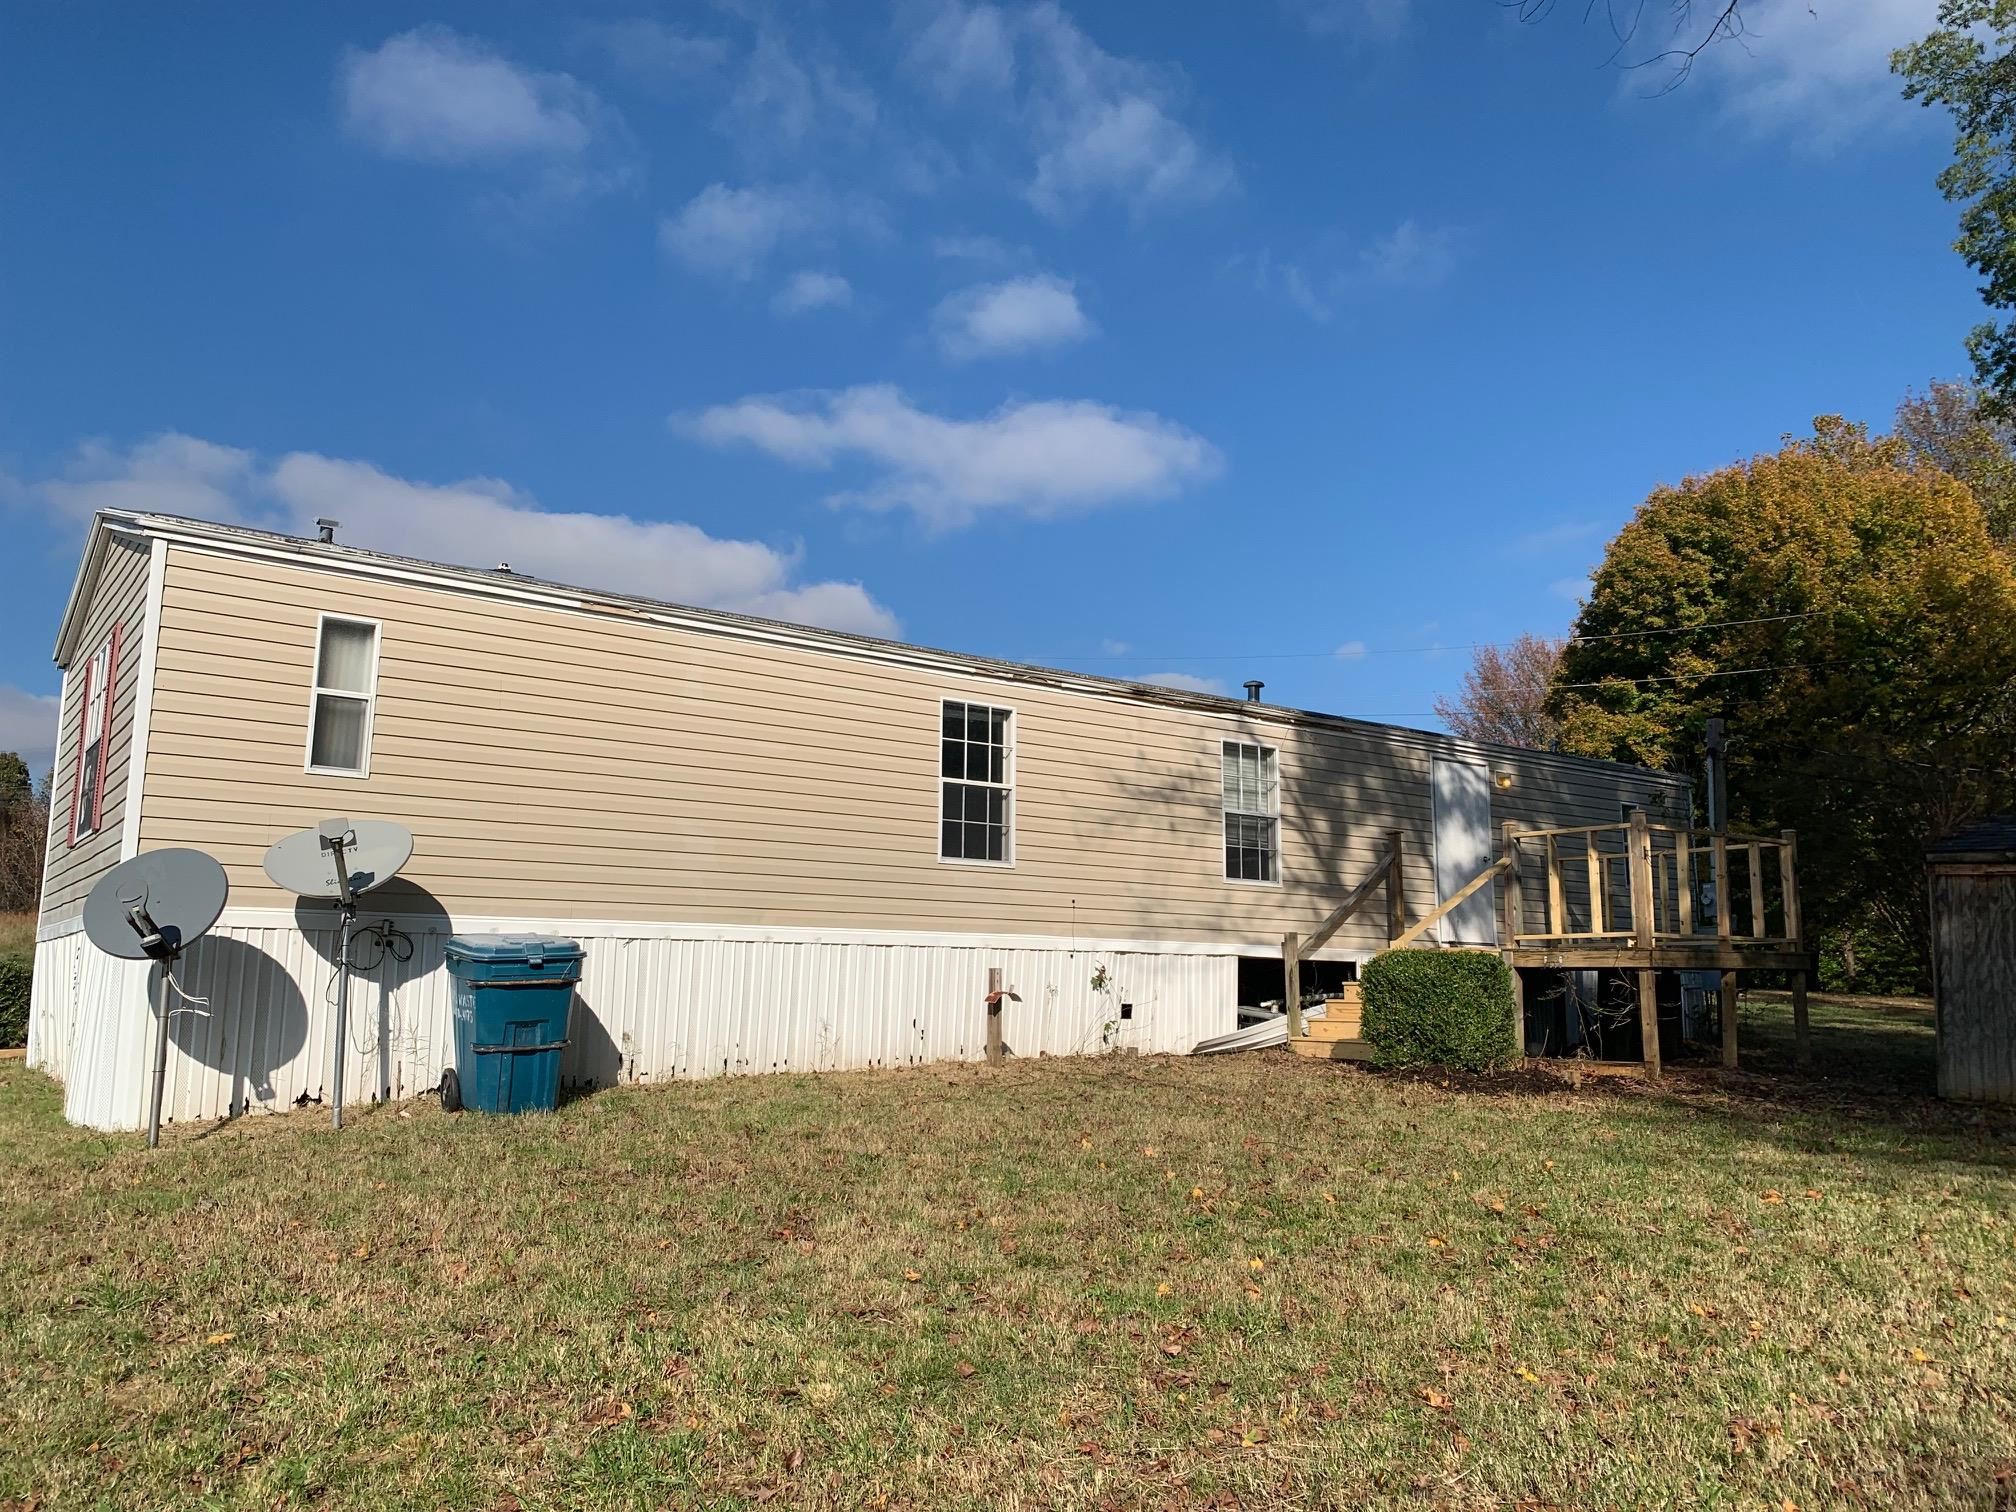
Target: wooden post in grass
(1802,1034)
(1729,990)
(995,1052)
(1648,1020)
(1291,982)
(1515,925)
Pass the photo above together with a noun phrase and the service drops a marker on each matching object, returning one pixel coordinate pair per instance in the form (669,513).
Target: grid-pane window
(346,674)
(977,789)
(89,810)
(1252,812)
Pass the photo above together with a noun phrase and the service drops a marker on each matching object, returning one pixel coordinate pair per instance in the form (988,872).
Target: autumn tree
(24,828)
(1840,603)
(1504,696)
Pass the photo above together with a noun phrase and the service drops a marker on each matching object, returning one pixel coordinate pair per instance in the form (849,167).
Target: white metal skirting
(654,1005)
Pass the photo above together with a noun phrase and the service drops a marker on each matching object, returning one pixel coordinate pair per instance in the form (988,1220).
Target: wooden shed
(1973,898)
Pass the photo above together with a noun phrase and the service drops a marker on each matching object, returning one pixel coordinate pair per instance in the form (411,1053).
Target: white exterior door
(1463,849)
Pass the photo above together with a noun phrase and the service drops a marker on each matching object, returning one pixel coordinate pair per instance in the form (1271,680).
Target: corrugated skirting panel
(650,1007)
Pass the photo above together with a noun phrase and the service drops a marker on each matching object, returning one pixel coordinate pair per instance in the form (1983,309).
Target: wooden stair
(1338,1035)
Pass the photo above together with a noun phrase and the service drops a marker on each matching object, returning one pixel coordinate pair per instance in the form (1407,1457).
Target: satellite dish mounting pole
(346,903)
(151,942)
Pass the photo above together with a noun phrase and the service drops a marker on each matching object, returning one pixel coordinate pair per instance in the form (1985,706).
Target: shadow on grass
(1872,1083)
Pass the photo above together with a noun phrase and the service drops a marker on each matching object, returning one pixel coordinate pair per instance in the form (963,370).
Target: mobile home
(783,848)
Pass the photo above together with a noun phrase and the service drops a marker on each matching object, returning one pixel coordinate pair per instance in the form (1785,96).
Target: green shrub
(15,968)
(1439,1008)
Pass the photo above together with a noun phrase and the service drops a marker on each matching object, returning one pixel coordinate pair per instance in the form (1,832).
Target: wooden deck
(1637,897)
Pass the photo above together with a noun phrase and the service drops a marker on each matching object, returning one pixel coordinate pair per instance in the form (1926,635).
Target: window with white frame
(346,679)
(87,809)
(976,782)
(1252,813)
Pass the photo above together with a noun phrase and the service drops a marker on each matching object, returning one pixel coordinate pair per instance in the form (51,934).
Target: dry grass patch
(1245,1280)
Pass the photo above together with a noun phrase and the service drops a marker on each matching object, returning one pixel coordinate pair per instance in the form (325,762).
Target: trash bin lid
(513,948)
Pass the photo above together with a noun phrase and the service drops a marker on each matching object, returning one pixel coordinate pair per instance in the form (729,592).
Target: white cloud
(1096,125)
(1333,274)
(1114,648)
(28,727)
(1183,682)
(987,251)
(439,97)
(1820,70)
(1002,319)
(731,233)
(478,522)
(1104,126)
(1353,20)
(1551,538)
(810,289)
(965,48)
(780,101)
(1573,589)
(1352,650)
(657,52)
(1038,459)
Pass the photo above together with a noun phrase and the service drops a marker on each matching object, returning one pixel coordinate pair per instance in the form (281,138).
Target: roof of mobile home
(502,584)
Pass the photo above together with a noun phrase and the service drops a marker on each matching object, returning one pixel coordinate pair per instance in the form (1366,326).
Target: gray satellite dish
(372,852)
(339,859)
(152,908)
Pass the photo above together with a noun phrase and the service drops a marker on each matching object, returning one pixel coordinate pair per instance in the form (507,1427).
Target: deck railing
(1655,884)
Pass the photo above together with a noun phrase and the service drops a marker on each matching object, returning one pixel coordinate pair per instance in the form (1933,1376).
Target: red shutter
(83,729)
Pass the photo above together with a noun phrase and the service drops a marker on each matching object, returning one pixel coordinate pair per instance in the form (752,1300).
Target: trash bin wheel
(451,1091)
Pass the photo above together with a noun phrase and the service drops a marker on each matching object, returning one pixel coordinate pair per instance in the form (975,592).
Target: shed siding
(1974,966)
(120,599)
(567,766)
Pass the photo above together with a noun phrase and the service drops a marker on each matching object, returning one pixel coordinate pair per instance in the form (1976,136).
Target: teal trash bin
(513,997)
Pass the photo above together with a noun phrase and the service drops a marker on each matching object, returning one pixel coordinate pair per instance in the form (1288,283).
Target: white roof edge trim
(250,542)
(105,525)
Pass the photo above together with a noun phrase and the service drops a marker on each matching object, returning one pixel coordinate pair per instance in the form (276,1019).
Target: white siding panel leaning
(653,1006)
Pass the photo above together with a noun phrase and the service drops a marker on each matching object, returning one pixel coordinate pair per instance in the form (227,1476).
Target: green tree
(1967,66)
(14,783)
(1840,603)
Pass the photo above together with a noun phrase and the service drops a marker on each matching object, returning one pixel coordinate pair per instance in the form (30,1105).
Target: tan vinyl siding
(120,598)
(573,766)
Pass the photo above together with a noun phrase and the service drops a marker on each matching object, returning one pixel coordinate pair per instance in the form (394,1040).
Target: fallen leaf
(1164,1289)
(1773,1197)
(220,1338)
(1435,1399)
(911,1275)
(1528,1377)
(362,1252)
(1256,1265)
(1196,1194)
(1329,1196)
(1436,1241)
(964,1369)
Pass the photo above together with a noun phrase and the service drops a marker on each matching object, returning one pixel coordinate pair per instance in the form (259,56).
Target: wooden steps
(1338,1035)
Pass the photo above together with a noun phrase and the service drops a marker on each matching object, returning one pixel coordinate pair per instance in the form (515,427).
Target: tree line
(24,830)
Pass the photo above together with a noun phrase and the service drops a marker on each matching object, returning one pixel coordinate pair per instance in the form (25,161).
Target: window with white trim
(976,783)
(346,680)
(1252,813)
(87,811)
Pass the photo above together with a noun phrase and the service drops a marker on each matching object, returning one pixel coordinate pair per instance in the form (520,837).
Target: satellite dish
(372,851)
(340,858)
(152,908)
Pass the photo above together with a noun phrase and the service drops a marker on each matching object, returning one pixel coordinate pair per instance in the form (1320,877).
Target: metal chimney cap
(326,531)
(1253,687)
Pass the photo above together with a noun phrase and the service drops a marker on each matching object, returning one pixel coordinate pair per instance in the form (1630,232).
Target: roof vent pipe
(1253,687)
(325,531)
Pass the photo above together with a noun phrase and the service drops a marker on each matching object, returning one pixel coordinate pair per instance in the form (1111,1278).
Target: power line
(1348,652)
(1704,676)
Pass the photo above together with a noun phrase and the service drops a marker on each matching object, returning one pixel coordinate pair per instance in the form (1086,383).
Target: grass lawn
(1246,1280)
(17,932)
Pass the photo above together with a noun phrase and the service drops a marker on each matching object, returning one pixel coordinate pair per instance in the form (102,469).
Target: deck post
(1557,900)
(1788,884)
(1291,982)
(1648,1020)
(1396,884)
(1729,990)
(1756,890)
(1802,1034)
(1683,880)
(1518,1008)
(1718,846)
(1644,907)
(1511,894)
(1599,884)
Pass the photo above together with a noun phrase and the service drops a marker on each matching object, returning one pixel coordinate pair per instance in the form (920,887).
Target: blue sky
(1291,340)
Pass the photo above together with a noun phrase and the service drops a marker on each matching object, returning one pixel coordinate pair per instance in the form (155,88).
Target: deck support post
(996,1050)
(1802,1035)
(1518,1011)
(1291,983)
(1648,1020)
(1729,993)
